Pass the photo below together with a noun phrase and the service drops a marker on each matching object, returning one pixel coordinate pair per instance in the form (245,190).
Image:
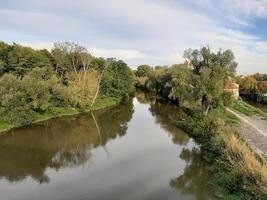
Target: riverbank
(55,112)
(248,110)
(238,172)
(260,106)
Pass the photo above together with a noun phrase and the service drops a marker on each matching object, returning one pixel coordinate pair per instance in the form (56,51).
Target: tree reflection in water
(59,143)
(167,115)
(195,178)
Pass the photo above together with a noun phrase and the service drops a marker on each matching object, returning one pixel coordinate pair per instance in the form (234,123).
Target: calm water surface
(132,151)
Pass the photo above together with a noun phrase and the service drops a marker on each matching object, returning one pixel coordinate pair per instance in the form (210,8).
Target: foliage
(19,60)
(140,82)
(14,107)
(181,84)
(35,82)
(37,85)
(260,77)
(117,80)
(262,87)
(184,85)
(143,71)
(82,87)
(247,83)
(212,71)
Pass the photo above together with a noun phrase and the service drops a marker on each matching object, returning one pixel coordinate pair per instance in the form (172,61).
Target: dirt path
(253,130)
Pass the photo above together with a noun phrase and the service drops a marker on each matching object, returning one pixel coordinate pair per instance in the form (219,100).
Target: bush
(14,105)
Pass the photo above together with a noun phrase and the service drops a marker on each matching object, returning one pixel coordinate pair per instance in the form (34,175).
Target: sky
(154,32)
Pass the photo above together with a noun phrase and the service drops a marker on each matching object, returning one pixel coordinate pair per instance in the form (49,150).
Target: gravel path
(253,130)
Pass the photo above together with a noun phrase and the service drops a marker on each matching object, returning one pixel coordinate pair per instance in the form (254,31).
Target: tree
(37,85)
(143,71)
(117,79)
(262,88)
(21,60)
(82,92)
(14,103)
(247,83)
(205,58)
(99,64)
(181,83)
(67,57)
(211,70)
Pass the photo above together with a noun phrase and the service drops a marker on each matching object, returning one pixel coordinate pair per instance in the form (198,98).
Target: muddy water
(132,151)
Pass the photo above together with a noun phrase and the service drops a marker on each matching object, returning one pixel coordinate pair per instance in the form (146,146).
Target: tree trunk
(98,88)
(205,104)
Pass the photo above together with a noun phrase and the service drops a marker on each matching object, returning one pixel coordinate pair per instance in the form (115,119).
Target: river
(131,151)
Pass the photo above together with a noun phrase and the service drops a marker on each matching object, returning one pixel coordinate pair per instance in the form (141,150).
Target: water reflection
(148,158)
(195,178)
(167,115)
(59,143)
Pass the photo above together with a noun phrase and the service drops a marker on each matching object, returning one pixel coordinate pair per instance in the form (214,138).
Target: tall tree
(211,70)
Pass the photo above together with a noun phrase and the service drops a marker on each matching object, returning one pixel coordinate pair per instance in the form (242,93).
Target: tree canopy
(36,81)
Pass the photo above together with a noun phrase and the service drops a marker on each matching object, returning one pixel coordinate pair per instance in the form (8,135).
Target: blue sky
(142,31)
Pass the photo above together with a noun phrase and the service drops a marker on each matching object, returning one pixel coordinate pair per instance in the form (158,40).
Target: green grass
(103,103)
(228,117)
(4,125)
(231,118)
(248,109)
(54,112)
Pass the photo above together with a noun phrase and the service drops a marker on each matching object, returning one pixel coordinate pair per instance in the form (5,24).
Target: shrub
(14,105)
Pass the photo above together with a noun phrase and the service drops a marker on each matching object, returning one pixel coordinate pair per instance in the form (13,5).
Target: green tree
(181,83)
(14,103)
(143,71)
(211,71)
(204,58)
(67,57)
(21,60)
(37,85)
(118,79)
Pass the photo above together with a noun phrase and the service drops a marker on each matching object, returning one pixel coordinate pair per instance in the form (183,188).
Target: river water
(131,151)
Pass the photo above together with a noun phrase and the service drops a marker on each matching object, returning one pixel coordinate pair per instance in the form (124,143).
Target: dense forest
(34,82)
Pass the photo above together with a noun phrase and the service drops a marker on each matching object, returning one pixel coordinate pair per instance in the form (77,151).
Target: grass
(247,109)
(54,112)
(241,161)
(228,117)
(4,125)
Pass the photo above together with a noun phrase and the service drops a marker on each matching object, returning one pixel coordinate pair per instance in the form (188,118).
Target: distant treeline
(253,87)
(35,81)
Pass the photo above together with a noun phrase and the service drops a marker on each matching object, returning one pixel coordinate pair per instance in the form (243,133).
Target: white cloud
(139,31)
(249,7)
(119,53)
(38,45)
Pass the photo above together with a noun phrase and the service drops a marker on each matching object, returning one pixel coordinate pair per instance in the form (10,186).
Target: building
(232,88)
